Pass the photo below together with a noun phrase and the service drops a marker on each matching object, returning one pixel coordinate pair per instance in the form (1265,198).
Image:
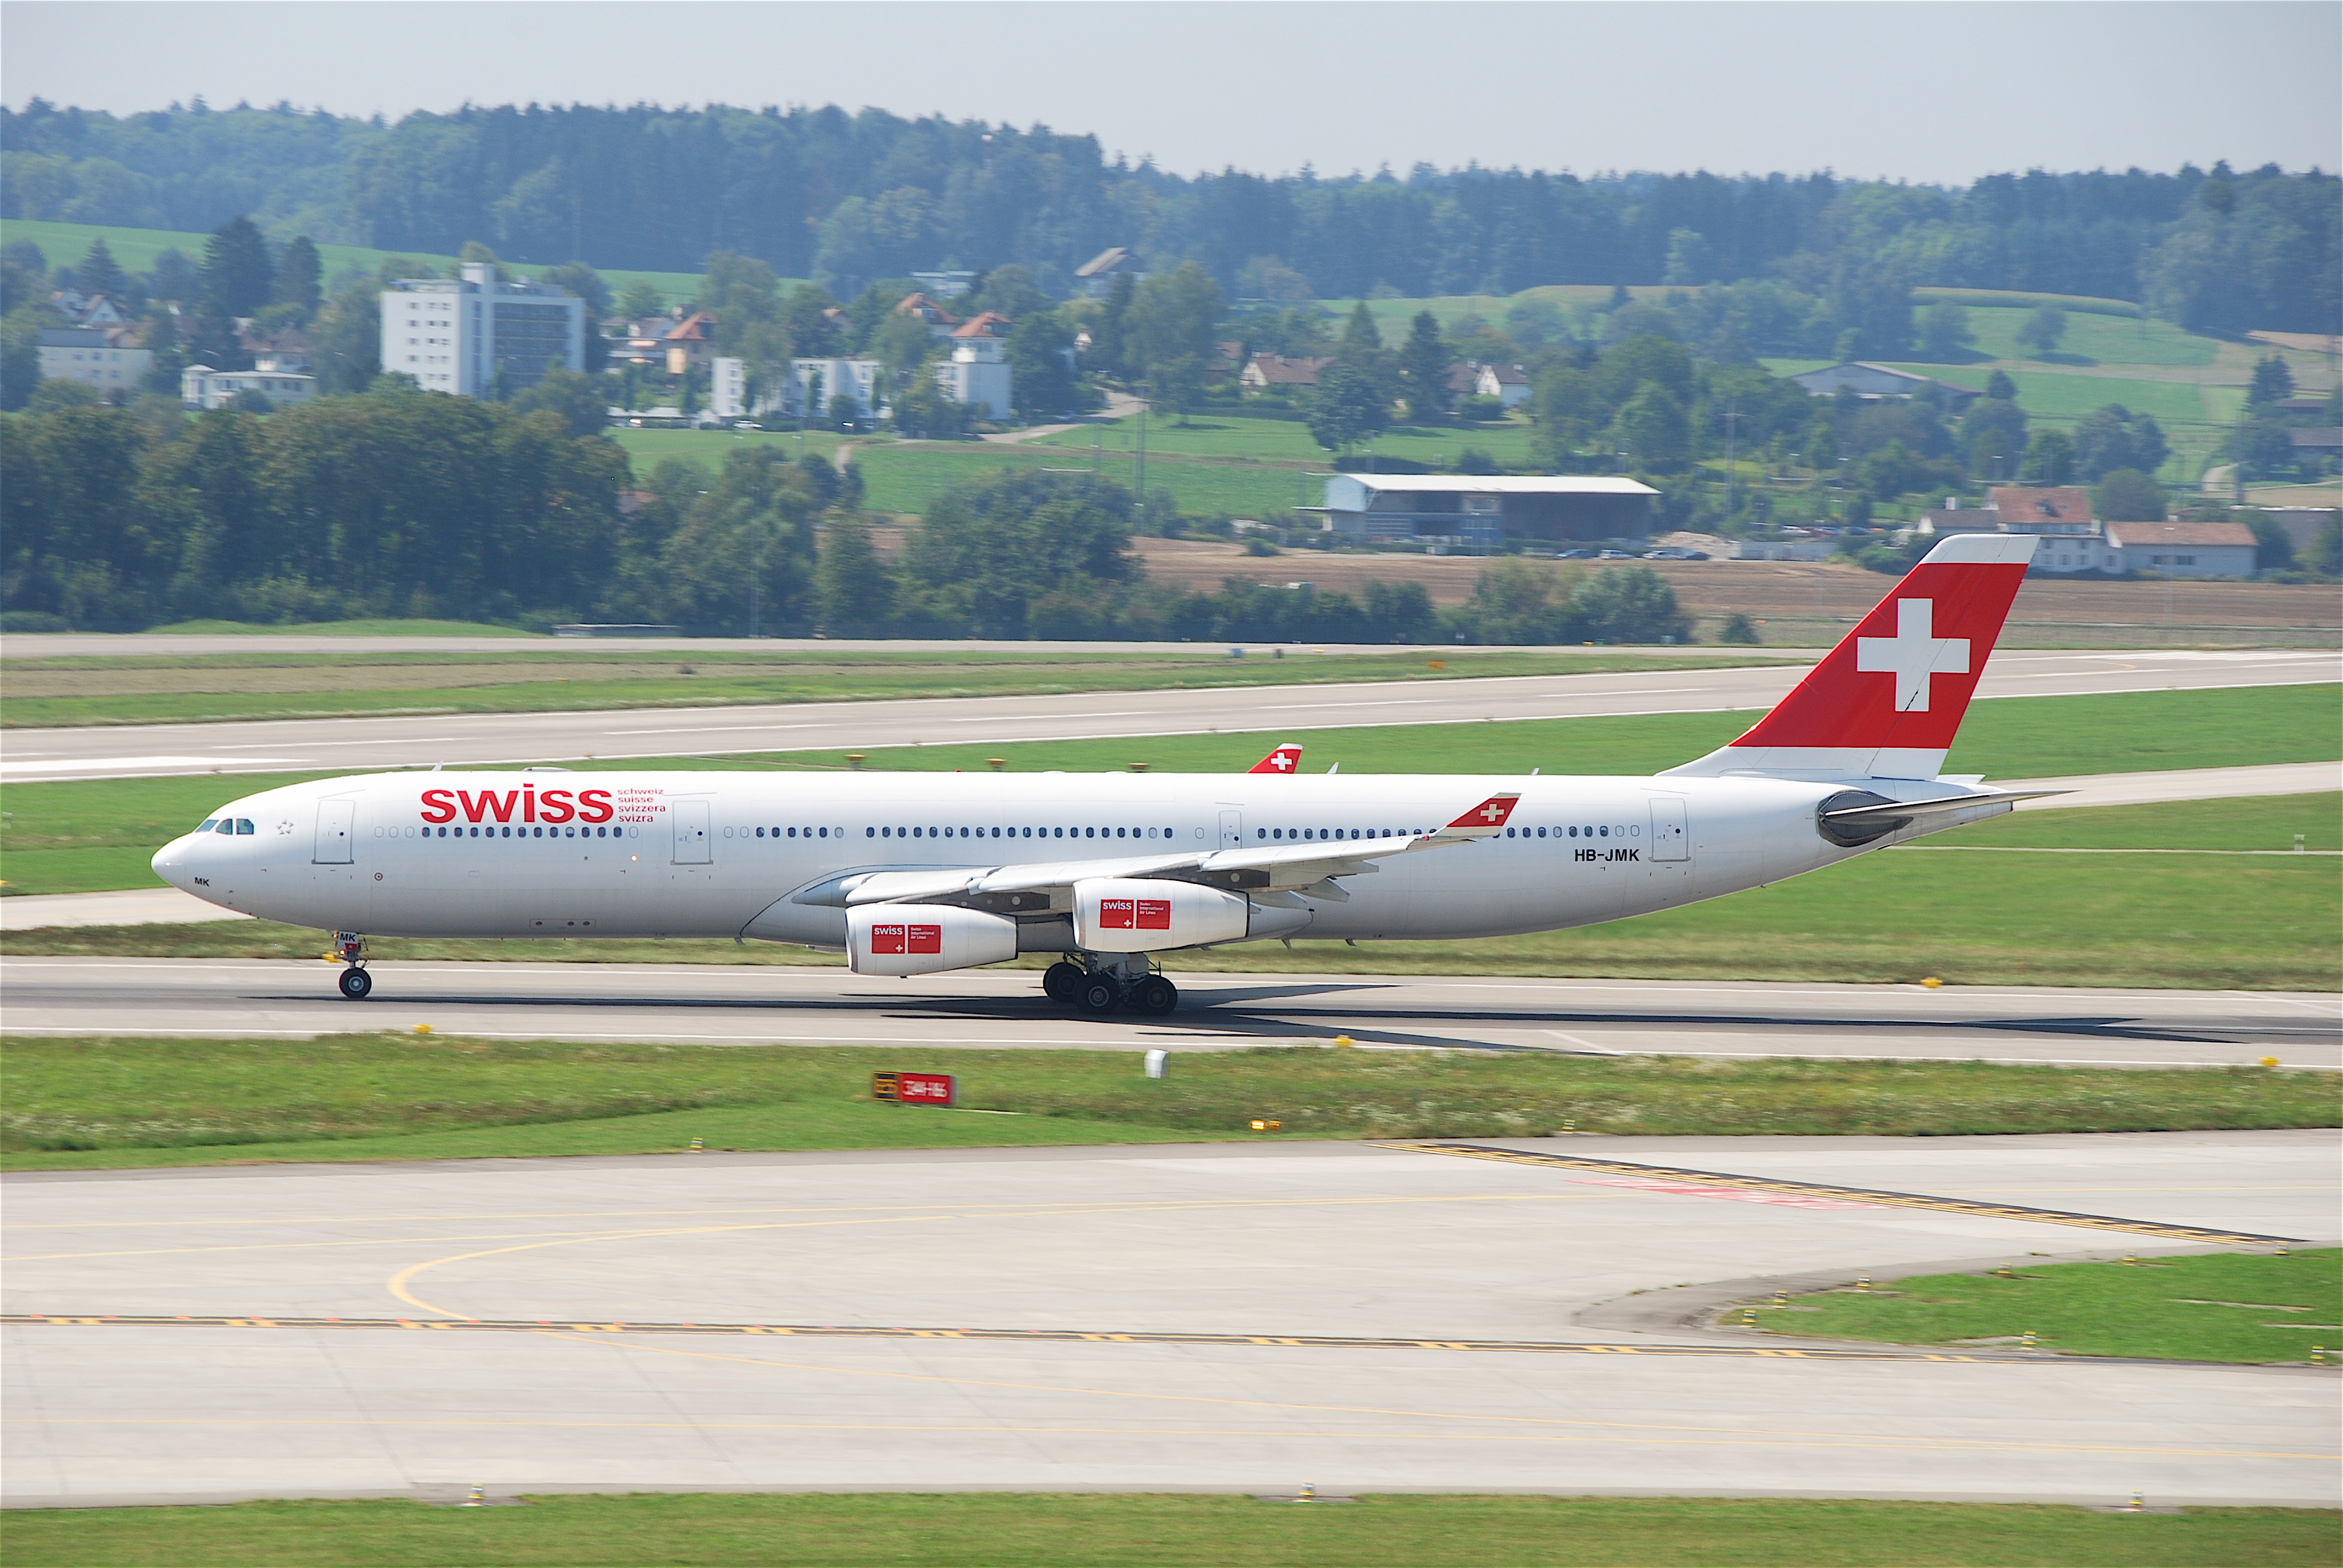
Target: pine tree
(99,272)
(1423,370)
(236,274)
(298,276)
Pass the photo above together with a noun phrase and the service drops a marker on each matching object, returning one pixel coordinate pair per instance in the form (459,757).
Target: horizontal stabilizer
(1890,814)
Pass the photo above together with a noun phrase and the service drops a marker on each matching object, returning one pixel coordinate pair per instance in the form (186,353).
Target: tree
(814,331)
(1347,408)
(853,594)
(742,558)
(577,398)
(1423,370)
(988,553)
(2128,495)
(99,273)
(845,410)
(2273,380)
(1517,601)
(925,410)
(1039,352)
(1993,437)
(739,291)
(1652,428)
(345,338)
(1628,603)
(1999,386)
(2272,546)
(2043,329)
(902,344)
(2112,436)
(1945,332)
(2049,458)
(641,299)
(2262,447)
(1011,291)
(1172,319)
(298,277)
(1691,261)
(1105,354)
(236,274)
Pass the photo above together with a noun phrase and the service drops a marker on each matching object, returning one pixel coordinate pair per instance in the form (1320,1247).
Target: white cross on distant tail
(1913,654)
(1279,760)
(1492,813)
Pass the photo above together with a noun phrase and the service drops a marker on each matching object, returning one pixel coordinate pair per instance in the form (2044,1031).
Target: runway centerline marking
(1858,1195)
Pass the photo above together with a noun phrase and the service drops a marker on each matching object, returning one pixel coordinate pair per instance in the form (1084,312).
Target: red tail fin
(1886,703)
(1286,759)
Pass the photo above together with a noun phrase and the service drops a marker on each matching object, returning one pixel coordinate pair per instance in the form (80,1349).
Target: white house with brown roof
(2185,550)
(1264,371)
(1098,274)
(1510,384)
(977,374)
(690,343)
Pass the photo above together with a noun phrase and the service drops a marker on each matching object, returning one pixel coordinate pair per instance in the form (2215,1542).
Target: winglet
(1483,821)
(1285,758)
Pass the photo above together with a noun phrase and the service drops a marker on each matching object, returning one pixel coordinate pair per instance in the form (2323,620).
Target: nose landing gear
(1099,984)
(350,948)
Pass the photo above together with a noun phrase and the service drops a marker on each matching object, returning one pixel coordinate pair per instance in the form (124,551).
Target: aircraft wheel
(1155,994)
(1062,980)
(356,983)
(1099,994)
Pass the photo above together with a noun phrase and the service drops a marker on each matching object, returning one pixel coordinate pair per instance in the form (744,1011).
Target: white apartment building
(82,354)
(456,335)
(814,382)
(977,374)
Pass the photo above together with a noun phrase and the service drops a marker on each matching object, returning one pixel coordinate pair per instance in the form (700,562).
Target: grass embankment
(75,1103)
(1163,1530)
(566,675)
(2229,1307)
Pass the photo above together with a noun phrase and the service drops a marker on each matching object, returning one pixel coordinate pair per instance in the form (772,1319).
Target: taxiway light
(423,1029)
(995,763)
(1262,1126)
(1345,1043)
(1932,982)
(2269,1061)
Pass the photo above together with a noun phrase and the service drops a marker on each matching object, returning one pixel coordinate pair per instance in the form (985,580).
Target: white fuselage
(726,854)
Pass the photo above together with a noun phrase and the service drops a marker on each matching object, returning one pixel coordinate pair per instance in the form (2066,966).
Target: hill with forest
(850,199)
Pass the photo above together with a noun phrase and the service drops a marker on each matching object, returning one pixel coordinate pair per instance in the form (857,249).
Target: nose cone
(170,863)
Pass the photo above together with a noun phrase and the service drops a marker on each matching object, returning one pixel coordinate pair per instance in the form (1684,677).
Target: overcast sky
(1902,88)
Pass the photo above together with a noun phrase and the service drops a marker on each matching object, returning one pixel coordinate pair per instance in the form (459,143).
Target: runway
(1361,1317)
(458,739)
(994,1009)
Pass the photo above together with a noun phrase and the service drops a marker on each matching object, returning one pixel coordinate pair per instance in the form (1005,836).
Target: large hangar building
(1472,511)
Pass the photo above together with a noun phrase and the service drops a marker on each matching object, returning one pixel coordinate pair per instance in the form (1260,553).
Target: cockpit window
(227,825)
(208,824)
(244,824)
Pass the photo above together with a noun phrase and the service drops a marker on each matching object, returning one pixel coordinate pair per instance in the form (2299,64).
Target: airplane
(918,873)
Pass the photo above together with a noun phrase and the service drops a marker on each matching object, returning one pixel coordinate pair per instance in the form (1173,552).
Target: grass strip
(573,678)
(2267,922)
(2226,1307)
(110,1102)
(982,1530)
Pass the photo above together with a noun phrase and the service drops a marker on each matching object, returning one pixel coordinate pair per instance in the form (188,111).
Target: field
(83,1103)
(2226,1302)
(1801,604)
(568,676)
(137,248)
(1009,1530)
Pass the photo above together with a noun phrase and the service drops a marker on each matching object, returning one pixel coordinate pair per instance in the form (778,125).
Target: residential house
(98,359)
(2316,443)
(977,374)
(285,353)
(1098,274)
(87,309)
(2061,515)
(201,387)
(1265,372)
(689,344)
(813,383)
(940,322)
(2185,550)
(1873,383)
(1508,383)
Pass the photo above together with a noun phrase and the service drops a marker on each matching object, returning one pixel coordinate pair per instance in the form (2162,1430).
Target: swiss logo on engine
(907,939)
(1134,914)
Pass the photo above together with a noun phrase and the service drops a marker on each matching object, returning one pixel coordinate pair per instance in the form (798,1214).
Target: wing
(1263,869)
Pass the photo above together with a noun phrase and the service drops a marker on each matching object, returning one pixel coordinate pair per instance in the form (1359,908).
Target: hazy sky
(1902,88)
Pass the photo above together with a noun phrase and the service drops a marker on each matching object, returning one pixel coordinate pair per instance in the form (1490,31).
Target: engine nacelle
(923,939)
(1135,915)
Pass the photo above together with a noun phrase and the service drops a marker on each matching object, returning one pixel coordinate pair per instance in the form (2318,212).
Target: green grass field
(1009,1530)
(1960,907)
(137,248)
(80,1103)
(333,628)
(2092,339)
(707,447)
(1234,437)
(548,675)
(2226,1307)
(904,475)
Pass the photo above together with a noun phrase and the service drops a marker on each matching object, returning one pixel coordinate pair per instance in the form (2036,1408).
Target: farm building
(1487,513)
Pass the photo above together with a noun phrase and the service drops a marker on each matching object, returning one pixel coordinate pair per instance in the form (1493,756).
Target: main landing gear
(350,948)
(1102,984)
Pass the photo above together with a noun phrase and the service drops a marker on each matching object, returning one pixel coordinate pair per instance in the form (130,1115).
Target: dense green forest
(848,199)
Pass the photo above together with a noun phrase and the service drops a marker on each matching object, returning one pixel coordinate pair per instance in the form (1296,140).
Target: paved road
(748,1005)
(356,744)
(1205,1317)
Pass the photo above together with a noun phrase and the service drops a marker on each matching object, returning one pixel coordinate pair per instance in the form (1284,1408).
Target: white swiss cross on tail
(1482,821)
(1286,759)
(1913,655)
